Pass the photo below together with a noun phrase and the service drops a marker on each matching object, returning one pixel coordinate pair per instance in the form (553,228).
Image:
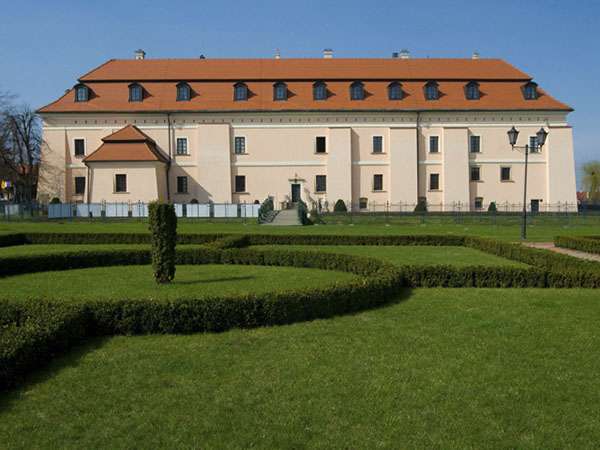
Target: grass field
(401,255)
(537,233)
(443,368)
(131,282)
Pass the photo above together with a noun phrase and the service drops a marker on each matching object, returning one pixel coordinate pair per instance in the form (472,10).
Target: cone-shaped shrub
(163,230)
(340,206)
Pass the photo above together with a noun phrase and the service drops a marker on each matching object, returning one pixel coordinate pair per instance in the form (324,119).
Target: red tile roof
(127,144)
(212,90)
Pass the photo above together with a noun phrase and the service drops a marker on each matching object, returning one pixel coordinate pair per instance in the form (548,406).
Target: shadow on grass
(66,359)
(212,280)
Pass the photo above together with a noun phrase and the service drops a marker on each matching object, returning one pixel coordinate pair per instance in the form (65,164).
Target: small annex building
(371,132)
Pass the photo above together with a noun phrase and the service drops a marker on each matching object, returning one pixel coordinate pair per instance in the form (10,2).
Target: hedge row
(34,331)
(589,244)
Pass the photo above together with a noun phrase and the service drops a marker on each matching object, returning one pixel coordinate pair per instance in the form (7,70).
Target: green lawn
(402,255)
(131,282)
(536,233)
(444,368)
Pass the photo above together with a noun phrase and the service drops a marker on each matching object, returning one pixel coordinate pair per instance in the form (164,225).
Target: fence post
(245,213)
(351,213)
(566,215)
(387,213)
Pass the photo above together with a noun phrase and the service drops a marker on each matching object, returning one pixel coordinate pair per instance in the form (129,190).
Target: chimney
(277,54)
(328,53)
(395,55)
(404,54)
(475,55)
(140,54)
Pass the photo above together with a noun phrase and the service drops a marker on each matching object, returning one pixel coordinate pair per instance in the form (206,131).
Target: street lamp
(541,140)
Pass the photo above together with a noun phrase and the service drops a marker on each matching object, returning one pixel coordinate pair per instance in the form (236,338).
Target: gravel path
(575,253)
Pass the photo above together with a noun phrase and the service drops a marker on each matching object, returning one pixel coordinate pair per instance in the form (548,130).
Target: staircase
(286,217)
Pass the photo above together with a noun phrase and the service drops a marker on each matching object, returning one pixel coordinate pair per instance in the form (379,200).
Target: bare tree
(20,144)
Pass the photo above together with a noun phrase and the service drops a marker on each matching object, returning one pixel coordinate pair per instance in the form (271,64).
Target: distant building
(367,131)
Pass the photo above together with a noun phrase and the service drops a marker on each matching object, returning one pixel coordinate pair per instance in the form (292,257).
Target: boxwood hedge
(589,244)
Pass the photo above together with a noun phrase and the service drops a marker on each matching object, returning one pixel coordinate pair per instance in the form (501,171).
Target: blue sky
(47,45)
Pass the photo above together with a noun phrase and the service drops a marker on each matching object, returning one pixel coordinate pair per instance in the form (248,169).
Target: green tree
(591,179)
(163,230)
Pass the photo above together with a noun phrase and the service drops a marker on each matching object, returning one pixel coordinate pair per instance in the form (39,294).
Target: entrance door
(295,192)
(535,205)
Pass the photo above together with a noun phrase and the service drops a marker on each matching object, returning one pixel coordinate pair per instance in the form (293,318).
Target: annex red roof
(211,83)
(127,144)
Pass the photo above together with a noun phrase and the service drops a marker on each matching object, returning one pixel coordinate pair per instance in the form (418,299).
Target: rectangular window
(363,202)
(377,144)
(505,174)
(182,186)
(378,182)
(475,144)
(478,202)
(321,144)
(240,145)
(182,148)
(434,144)
(240,183)
(79,185)
(120,183)
(79,147)
(321,183)
(533,147)
(434,181)
(475,173)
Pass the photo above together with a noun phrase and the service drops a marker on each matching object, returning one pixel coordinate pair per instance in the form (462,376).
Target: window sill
(242,193)
(320,192)
(121,192)
(378,192)
(378,153)
(507,181)
(476,181)
(181,193)
(240,154)
(435,190)
(78,156)
(434,153)
(182,154)
(475,153)
(321,153)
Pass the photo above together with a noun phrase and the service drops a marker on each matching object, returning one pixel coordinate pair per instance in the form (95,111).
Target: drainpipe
(418,124)
(89,183)
(169,161)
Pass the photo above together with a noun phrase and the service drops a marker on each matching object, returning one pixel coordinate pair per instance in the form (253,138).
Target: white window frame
(439,139)
(187,146)
(326,145)
(382,183)
(510,178)
(475,203)
(429,182)
(243,136)
(373,144)
(84,146)
(529,141)
(480,144)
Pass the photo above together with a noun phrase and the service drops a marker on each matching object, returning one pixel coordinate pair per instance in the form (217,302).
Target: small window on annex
(378,182)
(319,91)
(475,144)
(473,91)
(395,91)
(79,147)
(240,183)
(182,146)
(505,174)
(183,92)
(240,92)
(280,92)
(434,181)
(321,183)
(377,144)
(431,91)
(434,144)
(357,91)
(135,93)
(240,145)
(120,183)
(320,144)
(182,185)
(79,185)
(81,93)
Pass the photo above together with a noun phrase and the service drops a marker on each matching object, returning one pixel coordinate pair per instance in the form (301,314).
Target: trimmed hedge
(589,244)
(163,232)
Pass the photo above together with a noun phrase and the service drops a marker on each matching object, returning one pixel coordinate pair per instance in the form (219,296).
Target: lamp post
(541,140)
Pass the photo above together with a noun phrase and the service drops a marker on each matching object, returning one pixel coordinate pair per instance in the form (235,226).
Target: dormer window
(357,91)
(395,91)
(431,91)
(319,91)
(183,92)
(280,92)
(531,92)
(81,93)
(240,92)
(472,91)
(135,93)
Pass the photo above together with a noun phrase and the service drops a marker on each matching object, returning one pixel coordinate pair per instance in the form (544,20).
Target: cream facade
(366,158)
